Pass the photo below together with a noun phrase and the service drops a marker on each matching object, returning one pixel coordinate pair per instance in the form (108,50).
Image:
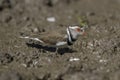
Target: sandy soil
(97,53)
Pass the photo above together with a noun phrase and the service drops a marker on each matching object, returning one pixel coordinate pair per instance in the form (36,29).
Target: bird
(59,39)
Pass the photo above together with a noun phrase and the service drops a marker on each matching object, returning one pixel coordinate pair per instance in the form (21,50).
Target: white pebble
(24,65)
(102,61)
(74,59)
(51,19)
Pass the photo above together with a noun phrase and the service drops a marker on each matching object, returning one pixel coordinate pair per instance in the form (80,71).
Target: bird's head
(73,32)
(76,30)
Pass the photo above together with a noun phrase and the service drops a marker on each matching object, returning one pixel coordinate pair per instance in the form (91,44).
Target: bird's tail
(35,39)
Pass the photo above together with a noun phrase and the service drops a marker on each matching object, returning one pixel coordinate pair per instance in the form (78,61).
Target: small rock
(24,65)
(51,19)
(50,3)
(35,30)
(74,59)
(102,61)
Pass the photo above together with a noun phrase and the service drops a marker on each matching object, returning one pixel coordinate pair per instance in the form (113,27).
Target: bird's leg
(56,51)
(70,48)
(41,50)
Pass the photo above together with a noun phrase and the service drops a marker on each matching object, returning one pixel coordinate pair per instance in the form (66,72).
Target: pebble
(102,61)
(51,19)
(74,59)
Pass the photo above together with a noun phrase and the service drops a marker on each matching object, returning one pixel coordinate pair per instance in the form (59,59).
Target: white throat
(69,35)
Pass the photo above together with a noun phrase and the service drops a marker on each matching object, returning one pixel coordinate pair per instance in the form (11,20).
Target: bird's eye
(78,29)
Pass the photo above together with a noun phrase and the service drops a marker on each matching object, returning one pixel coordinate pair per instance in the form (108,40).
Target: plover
(59,40)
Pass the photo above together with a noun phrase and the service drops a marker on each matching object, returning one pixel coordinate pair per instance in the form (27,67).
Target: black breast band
(69,43)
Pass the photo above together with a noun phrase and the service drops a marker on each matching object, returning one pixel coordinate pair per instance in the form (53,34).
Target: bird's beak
(83,33)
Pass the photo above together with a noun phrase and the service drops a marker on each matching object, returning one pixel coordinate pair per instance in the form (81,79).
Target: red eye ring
(78,29)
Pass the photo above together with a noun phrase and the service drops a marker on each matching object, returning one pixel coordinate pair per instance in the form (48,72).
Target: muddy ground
(97,53)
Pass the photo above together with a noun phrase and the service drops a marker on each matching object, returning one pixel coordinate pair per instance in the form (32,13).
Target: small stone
(51,19)
(74,59)
(102,61)
(24,65)
(35,30)
(50,3)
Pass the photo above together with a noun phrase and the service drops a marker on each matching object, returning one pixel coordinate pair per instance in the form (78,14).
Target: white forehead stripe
(73,27)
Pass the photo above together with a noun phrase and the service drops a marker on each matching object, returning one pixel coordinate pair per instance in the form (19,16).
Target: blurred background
(97,54)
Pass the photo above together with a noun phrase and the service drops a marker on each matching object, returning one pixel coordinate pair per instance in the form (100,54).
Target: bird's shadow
(60,51)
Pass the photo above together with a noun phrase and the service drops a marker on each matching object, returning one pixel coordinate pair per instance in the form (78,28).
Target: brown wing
(51,38)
